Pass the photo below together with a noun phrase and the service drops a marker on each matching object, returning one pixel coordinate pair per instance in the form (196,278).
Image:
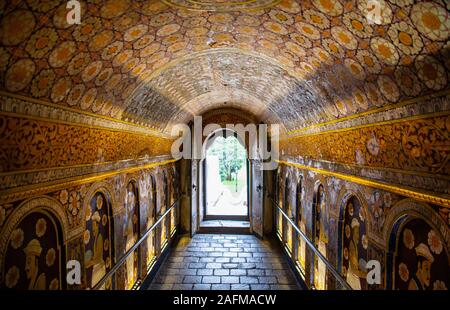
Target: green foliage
(232,156)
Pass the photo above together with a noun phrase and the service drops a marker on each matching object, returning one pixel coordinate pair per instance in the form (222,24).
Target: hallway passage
(224,262)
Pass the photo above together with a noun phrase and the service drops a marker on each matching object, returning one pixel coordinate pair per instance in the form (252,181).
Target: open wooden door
(256,197)
(194,197)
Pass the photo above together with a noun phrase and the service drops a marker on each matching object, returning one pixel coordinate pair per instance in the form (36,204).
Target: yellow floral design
(12,277)
(357,25)
(41,42)
(405,38)
(41,227)
(434,242)
(403,272)
(431,20)
(384,50)
(50,257)
(431,72)
(42,83)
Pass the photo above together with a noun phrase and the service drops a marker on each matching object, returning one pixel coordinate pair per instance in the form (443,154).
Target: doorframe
(202,193)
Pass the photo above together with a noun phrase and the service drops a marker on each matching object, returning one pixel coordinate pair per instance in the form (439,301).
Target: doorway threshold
(224,227)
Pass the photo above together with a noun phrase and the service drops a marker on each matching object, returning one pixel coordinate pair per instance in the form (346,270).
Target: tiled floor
(208,261)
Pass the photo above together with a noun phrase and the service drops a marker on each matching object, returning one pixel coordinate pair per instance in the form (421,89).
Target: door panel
(194,197)
(256,196)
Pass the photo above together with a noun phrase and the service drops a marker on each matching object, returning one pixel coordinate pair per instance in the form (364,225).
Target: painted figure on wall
(355,245)
(301,256)
(422,259)
(320,238)
(279,200)
(173,197)
(379,206)
(164,200)
(33,256)
(97,240)
(288,209)
(151,242)
(131,234)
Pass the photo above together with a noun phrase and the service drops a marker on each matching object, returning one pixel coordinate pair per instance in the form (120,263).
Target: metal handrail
(122,260)
(333,270)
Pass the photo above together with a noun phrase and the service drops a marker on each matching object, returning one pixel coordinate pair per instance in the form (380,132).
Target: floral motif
(344,37)
(275,28)
(329,7)
(431,20)
(17,237)
(41,42)
(388,88)
(405,38)
(62,54)
(50,257)
(19,75)
(317,19)
(357,25)
(92,70)
(431,72)
(347,231)
(78,63)
(355,68)
(408,238)
(101,40)
(439,286)
(408,81)
(42,83)
(333,47)
(16,27)
(403,272)
(75,94)
(54,285)
(281,17)
(135,32)
(74,203)
(434,242)
(88,28)
(364,242)
(12,277)
(63,196)
(168,30)
(112,50)
(385,51)
(86,236)
(41,227)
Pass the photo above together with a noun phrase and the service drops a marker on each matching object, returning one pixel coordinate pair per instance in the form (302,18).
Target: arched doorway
(225,177)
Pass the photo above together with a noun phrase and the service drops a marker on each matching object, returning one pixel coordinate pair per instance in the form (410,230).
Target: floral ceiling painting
(123,50)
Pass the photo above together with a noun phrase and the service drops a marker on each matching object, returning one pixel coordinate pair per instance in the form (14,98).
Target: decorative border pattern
(10,195)
(18,105)
(424,196)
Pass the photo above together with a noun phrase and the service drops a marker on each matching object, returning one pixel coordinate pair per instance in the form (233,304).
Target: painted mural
(287,207)
(301,223)
(131,234)
(72,145)
(33,257)
(320,237)
(151,219)
(422,261)
(98,241)
(355,245)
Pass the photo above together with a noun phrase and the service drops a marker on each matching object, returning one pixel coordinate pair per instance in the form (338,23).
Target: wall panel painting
(98,243)
(355,243)
(422,261)
(320,238)
(131,234)
(151,242)
(301,223)
(33,255)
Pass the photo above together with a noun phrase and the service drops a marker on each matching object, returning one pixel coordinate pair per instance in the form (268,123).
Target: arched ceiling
(156,63)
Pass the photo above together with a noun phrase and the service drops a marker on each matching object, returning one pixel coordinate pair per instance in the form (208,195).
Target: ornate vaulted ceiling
(160,62)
